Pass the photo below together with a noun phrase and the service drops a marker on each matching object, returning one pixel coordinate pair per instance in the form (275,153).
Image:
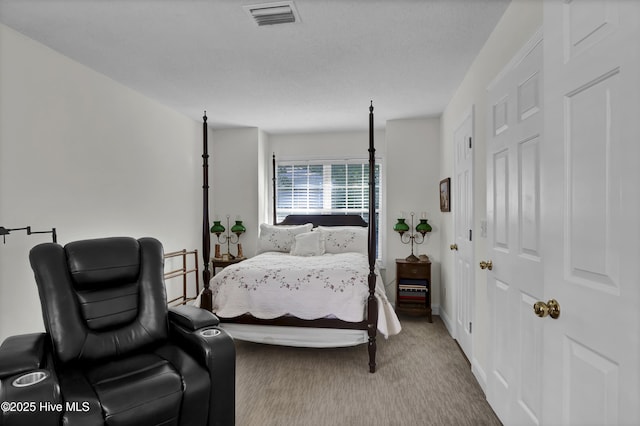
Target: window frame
(326,200)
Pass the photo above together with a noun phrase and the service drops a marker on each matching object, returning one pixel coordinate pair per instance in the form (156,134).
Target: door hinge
(469,142)
(470,327)
(470,236)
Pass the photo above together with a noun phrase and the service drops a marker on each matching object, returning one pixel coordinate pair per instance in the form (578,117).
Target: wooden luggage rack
(184,273)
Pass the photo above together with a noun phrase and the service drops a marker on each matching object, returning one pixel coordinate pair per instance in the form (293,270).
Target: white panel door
(591,198)
(463,219)
(514,283)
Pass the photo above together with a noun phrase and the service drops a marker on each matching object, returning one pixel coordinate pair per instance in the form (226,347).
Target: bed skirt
(306,337)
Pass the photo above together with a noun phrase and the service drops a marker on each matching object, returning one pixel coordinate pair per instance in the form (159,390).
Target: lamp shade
(217,228)
(238,228)
(401,226)
(423,227)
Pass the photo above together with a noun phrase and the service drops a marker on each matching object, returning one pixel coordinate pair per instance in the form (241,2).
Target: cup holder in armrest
(30,379)
(209,332)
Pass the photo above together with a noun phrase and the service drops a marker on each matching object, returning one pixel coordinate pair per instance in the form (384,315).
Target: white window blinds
(325,187)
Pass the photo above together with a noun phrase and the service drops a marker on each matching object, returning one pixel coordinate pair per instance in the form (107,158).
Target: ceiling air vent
(281,12)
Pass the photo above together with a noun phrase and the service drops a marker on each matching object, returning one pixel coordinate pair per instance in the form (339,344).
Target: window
(326,187)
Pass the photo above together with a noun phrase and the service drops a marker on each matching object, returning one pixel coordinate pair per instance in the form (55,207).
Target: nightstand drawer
(413,270)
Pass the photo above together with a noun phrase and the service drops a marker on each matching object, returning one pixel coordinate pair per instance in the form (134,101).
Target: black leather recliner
(113,353)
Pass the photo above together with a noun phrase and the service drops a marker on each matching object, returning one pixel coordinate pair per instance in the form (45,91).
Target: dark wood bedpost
(273,179)
(372,303)
(206,299)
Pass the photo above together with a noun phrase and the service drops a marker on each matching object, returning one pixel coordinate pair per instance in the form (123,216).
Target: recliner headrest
(94,263)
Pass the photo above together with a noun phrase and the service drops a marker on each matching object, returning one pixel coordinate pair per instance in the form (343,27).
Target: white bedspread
(274,284)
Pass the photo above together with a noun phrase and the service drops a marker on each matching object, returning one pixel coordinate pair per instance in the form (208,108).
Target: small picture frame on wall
(445,195)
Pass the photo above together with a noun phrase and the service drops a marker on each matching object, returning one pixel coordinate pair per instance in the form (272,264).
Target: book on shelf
(412,287)
(413,294)
(412,299)
(421,288)
(414,281)
(413,290)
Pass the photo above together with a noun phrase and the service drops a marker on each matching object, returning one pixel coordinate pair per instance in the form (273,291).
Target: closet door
(462,207)
(514,277)
(591,199)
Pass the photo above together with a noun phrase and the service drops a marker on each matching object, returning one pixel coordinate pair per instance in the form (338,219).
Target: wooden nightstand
(219,263)
(413,287)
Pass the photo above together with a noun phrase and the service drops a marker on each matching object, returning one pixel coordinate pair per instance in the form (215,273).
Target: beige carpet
(422,378)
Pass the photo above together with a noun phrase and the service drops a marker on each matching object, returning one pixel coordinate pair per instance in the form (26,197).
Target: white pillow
(344,239)
(308,244)
(279,237)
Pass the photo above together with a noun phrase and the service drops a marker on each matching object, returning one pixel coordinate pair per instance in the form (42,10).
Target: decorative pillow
(308,244)
(279,237)
(344,239)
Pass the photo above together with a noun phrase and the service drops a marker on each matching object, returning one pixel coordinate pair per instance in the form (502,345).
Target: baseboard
(479,374)
(447,322)
(477,371)
(435,309)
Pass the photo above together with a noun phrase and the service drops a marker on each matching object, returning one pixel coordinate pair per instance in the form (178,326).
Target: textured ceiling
(318,74)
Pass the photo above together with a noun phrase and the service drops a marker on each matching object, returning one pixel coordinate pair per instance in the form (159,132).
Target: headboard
(324,220)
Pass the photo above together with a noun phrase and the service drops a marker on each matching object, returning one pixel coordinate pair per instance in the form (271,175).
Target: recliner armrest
(27,377)
(192,318)
(22,353)
(213,348)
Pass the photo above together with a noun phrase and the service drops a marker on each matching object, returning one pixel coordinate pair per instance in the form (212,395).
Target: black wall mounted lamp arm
(4,232)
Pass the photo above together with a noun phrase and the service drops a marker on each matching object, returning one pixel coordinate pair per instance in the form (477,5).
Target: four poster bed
(314,282)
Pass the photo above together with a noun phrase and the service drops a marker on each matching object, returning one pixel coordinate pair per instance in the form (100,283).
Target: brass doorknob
(453,247)
(486,265)
(551,308)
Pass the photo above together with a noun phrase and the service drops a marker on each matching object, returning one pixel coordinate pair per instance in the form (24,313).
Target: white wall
(519,22)
(413,170)
(235,183)
(353,144)
(264,177)
(90,157)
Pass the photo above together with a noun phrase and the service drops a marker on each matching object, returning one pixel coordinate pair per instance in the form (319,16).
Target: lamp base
(412,258)
(227,257)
